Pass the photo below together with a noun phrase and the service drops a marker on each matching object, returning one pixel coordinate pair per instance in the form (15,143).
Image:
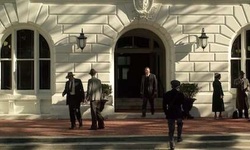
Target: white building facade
(38,47)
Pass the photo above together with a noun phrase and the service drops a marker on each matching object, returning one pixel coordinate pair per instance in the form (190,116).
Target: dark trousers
(74,111)
(144,105)
(171,128)
(245,112)
(96,115)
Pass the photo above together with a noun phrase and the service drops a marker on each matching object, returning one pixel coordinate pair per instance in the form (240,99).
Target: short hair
(92,72)
(175,83)
(217,75)
(241,73)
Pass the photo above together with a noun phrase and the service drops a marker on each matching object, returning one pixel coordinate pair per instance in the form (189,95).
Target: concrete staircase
(134,105)
(215,142)
(190,142)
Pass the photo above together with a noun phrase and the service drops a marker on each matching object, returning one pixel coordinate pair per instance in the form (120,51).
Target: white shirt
(72,92)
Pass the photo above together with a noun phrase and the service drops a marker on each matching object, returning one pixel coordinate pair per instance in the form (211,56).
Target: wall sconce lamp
(203,39)
(81,40)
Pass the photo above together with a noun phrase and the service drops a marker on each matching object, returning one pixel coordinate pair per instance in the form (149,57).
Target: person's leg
(246,112)
(215,115)
(93,115)
(171,127)
(79,115)
(179,129)
(144,106)
(220,116)
(240,113)
(152,105)
(99,116)
(72,117)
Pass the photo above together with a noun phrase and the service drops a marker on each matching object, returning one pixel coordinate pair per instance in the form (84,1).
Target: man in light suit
(94,95)
(75,95)
(242,85)
(148,91)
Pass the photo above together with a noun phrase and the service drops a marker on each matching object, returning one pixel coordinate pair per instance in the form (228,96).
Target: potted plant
(106,91)
(189,90)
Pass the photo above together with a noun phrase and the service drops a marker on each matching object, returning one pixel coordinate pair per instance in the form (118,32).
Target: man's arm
(142,86)
(88,91)
(82,89)
(64,91)
(164,103)
(155,86)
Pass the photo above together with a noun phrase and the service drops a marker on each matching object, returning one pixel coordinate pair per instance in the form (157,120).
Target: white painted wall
(103,22)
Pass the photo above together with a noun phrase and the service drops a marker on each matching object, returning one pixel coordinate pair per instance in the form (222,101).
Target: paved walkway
(120,127)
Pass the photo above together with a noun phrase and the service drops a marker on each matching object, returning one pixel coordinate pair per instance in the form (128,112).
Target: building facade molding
(174,22)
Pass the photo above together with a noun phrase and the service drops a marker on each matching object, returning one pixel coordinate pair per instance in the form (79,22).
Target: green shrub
(189,89)
(106,89)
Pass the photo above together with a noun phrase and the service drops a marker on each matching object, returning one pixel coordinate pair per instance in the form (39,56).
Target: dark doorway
(130,68)
(135,50)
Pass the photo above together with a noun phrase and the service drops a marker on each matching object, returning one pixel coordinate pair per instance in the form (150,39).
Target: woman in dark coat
(217,104)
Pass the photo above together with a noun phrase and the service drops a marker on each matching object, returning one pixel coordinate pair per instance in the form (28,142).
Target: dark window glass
(123,60)
(25,62)
(156,45)
(6,75)
(6,48)
(25,75)
(125,42)
(248,43)
(248,69)
(235,69)
(44,51)
(44,74)
(141,42)
(236,48)
(25,44)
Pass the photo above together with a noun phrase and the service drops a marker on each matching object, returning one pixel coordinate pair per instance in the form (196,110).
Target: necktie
(70,85)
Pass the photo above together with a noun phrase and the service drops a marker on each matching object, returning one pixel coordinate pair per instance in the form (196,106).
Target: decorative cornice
(144,9)
(189,2)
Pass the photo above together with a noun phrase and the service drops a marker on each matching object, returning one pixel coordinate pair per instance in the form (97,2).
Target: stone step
(226,141)
(134,104)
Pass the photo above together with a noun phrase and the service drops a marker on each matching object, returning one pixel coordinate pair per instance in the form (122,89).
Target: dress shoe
(92,128)
(72,127)
(179,139)
(101,127)
(80,125)
(171,144)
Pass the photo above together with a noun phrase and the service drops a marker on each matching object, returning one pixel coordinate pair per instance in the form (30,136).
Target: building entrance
(135,51)
(129,74)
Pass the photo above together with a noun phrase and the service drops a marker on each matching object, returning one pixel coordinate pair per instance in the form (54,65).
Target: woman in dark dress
(217,104)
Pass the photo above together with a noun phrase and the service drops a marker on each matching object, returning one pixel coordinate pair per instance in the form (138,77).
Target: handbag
(235,115)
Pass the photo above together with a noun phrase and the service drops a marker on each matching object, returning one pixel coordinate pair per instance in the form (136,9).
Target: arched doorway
(135,50)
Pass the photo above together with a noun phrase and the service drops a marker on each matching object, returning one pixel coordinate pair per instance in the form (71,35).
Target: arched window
(27,66)
(240,56)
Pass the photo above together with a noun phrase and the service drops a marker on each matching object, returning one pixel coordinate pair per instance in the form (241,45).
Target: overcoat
(241,96)
(217,101)
(172,104)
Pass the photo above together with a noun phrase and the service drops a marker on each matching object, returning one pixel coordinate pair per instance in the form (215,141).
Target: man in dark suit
(148,91)
(172,106)
(75,95)
(94,95)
